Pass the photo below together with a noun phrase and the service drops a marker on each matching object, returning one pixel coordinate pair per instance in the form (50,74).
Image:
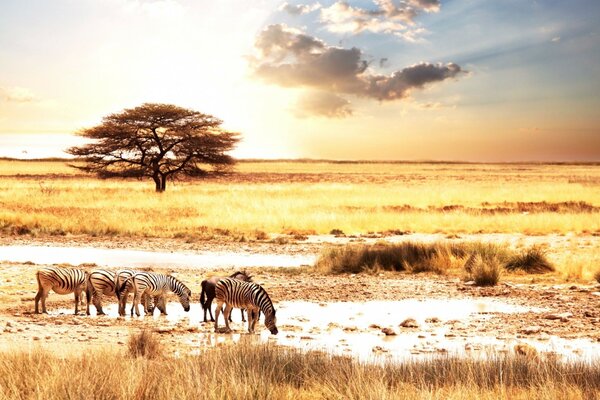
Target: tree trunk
(158,185)
(163,184)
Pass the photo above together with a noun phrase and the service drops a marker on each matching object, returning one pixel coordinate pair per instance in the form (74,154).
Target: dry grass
(482,262)
(144,344)
(532,261)
(246,371)
(484,271)
(266,198)
(597,276)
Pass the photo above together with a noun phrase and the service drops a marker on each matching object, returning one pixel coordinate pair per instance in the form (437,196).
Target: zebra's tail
(89,290)
(203,294)
(119,289)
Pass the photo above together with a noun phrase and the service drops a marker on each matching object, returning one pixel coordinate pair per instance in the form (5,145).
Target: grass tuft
(483,262)
(144,344)
(532,261)
(484,271)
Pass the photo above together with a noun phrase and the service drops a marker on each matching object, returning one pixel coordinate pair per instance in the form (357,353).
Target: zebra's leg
(45,294)
(77,293)
(97,302)
(136,302)
(123,303)
(252,317)
(39,296)
(227,314)
(209,306)
(217,313)
(161,304)
(243,318)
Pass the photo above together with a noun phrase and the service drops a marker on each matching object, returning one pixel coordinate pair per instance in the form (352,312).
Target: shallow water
(348,328)
(139,258)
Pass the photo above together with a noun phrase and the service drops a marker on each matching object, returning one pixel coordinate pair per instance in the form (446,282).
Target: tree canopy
(160,141)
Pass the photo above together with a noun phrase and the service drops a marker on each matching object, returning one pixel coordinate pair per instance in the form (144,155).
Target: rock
(588,314)
(374,326)
(530,330)
(350,329)
(388,331)
(36,338)
(379,349)
(409,323)
(9,324)
(526,350)
(561,316)
(432,320)
(469,283)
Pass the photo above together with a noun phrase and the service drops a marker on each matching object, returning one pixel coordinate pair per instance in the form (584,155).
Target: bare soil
(571,311)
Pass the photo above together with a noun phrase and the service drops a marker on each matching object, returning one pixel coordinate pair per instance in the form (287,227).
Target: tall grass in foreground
(483,262)
(246,371)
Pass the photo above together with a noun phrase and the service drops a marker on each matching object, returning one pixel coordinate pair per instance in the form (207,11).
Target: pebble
(409,323)
(530,330)
(389,332)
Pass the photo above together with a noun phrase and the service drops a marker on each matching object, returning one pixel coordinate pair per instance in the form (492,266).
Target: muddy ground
(563,310)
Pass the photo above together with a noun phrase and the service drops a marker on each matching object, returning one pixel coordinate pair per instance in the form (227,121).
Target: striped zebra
(245,295)
(62,281)
(156,286)
(104,282)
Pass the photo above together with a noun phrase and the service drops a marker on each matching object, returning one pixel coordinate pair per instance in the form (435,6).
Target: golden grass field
(49,197)
(253,372)
(261,202)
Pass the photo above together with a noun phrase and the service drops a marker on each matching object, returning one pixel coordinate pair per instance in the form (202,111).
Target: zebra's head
(270,322)
(184,299)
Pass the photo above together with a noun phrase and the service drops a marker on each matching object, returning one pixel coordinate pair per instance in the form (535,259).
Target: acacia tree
(161,141)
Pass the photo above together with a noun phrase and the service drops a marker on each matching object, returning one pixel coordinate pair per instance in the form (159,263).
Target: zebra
(208,292)
(122,278)
(104,282)
(248,295)
(155,285)
(62,281)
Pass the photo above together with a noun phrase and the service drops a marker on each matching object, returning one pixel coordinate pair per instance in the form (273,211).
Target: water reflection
(444,326)
(138,258)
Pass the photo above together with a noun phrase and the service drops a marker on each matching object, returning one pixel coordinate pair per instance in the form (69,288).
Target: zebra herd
(150,289)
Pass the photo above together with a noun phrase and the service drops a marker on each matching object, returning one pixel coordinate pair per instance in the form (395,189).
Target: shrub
(144,344)
(484,271)
(597,276)
(532,260)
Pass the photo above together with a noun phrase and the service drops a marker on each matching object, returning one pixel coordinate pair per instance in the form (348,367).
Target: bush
(484,271)
(532,261)
(597,276)
(144,344)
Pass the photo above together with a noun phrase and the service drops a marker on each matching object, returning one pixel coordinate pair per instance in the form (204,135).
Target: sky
(471,80)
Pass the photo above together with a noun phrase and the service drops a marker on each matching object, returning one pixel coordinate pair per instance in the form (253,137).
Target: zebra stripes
(156,286)
(104,282)
(248,295)
(62,281)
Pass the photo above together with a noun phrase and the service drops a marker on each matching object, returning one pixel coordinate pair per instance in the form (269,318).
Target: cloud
(290,58)
(299,9)
(395,17)
(323,104)
(17,94)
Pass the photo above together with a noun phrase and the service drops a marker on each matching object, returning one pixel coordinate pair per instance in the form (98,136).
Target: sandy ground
(570,311)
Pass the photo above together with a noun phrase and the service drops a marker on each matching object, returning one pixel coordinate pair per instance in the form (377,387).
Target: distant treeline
(329,161)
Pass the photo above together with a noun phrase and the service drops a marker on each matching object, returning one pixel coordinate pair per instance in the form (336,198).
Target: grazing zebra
(62,281)
(122,279)
(208,292)
(103,282)
(248,295)
(156,285)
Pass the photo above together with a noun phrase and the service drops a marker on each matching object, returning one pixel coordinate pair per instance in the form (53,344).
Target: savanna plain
(415,280)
